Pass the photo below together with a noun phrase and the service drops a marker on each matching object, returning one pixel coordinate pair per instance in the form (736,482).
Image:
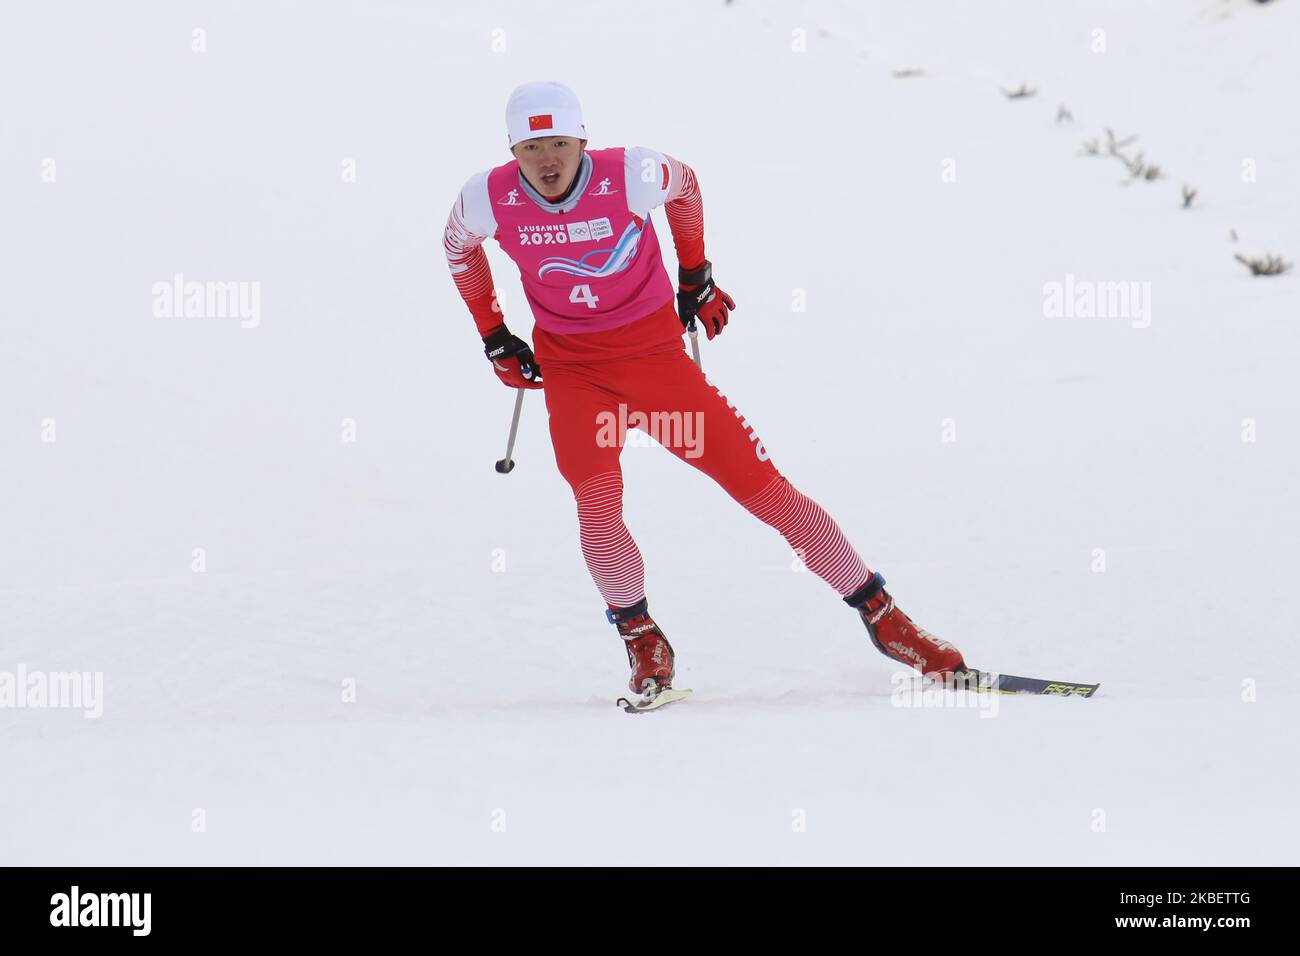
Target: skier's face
(549,162)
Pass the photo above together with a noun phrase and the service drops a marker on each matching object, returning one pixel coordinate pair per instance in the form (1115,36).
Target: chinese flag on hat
(539,122)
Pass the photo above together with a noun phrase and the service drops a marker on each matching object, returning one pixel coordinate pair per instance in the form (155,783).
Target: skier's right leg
(588,459)
(587,453)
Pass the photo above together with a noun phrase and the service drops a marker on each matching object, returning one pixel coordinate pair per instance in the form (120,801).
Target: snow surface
(483,730)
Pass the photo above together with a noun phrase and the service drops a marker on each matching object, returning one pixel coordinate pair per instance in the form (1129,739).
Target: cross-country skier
(608,333)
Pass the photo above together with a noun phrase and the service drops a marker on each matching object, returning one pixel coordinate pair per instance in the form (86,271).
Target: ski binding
(652,701)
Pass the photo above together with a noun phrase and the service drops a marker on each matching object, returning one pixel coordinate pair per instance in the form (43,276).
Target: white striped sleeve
(649,178)
(470,223)
(657,179)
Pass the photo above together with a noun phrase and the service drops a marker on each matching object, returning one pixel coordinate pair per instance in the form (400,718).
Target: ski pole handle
(695,343)
(506,464)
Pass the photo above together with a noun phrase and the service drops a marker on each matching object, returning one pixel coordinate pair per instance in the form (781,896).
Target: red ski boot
(648,651)
(897,637)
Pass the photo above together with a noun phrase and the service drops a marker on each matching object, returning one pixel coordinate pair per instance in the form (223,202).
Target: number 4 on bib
(582,293)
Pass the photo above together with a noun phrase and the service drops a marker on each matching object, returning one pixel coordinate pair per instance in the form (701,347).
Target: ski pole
(695,343)
(506,464)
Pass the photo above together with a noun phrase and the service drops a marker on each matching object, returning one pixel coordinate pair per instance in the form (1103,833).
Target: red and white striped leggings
(591,406)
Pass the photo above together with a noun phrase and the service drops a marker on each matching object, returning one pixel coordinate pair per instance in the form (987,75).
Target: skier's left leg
(699,425)
(690,417)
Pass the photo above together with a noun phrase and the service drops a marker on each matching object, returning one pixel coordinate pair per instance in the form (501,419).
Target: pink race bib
(592,268)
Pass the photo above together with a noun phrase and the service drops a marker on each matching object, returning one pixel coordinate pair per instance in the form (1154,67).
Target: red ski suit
(598,384)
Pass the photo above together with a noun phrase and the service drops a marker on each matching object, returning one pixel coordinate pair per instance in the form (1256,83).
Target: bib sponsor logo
(543,235)
(552,233)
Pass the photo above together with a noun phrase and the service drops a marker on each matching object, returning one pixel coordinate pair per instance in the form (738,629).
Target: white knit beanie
(544,108)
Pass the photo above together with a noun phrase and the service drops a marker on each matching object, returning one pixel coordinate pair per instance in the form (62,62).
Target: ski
(642,704)
(991,681)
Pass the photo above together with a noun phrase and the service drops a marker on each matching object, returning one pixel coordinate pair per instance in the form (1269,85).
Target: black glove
(512,359)
(699,298)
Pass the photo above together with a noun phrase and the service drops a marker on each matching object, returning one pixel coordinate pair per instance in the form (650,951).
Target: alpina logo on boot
(904,651)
